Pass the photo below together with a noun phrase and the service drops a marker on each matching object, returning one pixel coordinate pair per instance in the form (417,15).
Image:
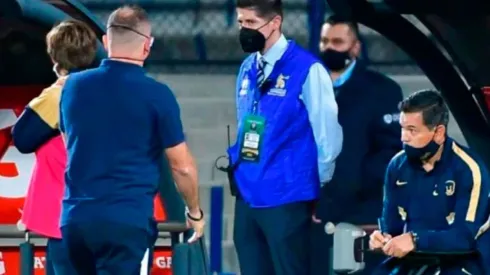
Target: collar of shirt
(76,70)
(275,53)
(447,151)
(112,63)
(345,75)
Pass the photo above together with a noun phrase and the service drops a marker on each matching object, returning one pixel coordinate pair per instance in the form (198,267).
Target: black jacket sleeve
(385,133)
(368,112)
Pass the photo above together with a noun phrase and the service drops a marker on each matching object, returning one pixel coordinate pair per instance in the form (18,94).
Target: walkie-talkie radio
(230,168)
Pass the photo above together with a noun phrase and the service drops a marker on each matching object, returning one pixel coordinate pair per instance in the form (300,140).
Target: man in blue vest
(288,140)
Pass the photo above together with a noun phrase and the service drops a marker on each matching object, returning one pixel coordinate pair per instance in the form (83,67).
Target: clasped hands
(398,246)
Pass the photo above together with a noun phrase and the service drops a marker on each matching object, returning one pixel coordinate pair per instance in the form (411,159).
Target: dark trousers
(272,241)
(57,260)
(321,254)
(107,248)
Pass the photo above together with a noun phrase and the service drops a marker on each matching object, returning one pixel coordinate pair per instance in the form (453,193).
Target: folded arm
(319,100)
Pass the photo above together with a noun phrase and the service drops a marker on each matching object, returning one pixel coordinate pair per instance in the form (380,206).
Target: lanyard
(259,90)
(257,95)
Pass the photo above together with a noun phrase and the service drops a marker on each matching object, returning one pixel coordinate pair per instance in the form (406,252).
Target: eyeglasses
(151,38)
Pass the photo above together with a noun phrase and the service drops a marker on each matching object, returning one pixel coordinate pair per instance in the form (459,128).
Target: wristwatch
(415,239)
(196,219)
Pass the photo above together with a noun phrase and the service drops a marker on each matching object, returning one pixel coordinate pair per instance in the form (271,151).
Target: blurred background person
(368,114)
(71,46)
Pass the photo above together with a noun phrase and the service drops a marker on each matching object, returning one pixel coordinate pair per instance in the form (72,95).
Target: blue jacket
(445,207)
(287,170)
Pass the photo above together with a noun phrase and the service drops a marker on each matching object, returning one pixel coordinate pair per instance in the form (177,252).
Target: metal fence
(202,35)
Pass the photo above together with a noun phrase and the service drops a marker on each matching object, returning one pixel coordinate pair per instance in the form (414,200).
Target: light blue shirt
(319,99)
(345,75)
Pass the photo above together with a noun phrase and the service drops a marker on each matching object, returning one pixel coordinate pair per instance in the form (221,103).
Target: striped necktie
(260,71)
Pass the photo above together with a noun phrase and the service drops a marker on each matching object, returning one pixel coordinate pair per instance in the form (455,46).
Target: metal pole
(216,226)
(26,256)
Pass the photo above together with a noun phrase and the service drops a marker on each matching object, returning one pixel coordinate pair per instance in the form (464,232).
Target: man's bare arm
(184,172)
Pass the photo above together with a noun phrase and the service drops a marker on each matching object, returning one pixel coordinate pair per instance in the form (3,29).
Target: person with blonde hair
(72,46)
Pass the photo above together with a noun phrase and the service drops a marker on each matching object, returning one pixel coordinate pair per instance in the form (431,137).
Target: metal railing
(187,259)
(11,236)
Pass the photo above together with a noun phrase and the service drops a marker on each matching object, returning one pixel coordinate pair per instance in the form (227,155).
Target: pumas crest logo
(450,187)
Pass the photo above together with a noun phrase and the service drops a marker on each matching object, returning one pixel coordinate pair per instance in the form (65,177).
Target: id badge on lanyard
(252,133)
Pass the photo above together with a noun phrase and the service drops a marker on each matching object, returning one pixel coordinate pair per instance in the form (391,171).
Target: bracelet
(194,218)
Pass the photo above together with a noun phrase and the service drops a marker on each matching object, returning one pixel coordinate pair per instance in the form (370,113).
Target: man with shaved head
(118,123)
(128,35)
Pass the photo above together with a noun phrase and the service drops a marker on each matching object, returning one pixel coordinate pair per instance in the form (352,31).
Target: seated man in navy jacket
(436,193)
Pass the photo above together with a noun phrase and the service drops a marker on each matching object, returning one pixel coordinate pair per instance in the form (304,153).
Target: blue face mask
(423,153)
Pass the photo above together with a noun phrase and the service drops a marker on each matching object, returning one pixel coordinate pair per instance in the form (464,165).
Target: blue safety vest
(287,170)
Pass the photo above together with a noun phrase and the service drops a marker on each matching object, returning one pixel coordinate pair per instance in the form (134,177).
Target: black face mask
(335,60)
(421,154)
(251,40)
